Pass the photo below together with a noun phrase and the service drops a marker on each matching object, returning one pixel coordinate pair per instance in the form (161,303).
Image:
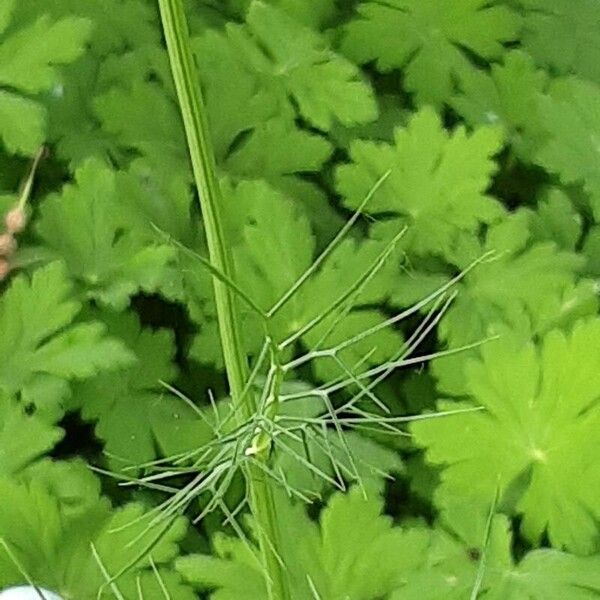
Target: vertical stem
(203,163)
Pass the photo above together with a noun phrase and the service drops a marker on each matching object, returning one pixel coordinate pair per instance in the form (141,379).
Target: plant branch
(203,164)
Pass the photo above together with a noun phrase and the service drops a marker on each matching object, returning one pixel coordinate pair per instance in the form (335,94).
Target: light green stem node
(262,442)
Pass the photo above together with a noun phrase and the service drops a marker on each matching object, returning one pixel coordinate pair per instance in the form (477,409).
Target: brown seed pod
(15,220)
(4,269)
(8,244)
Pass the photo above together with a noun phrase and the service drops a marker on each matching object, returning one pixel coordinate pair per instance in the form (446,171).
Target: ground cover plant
(299,299)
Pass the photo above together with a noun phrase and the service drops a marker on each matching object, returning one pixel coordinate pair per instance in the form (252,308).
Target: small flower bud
(8,244)
(4,269)
(15,220)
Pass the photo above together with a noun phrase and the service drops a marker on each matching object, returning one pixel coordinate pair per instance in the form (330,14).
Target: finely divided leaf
(529,285)
(124,112)
(314,13)
(277,147)
(273,245)
(326,86)
(557,220)
(29,57)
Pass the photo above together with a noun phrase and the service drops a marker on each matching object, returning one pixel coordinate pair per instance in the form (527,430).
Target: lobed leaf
(536,436)
(86,227)
(40,339)
(437,183)
(563,35)
(355,553)
(29,61)
(430,40)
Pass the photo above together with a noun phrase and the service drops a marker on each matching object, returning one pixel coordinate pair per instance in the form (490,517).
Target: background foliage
(487,113)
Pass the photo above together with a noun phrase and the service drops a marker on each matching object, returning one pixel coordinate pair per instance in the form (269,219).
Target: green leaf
(516,283)
(453,554)
(297,151)
(314,13)
(29,57)
(117,24)
(326,86)
(39,338)
(158,585)
(235,101)
(53,543)
(148,203)
(563,35)
(125,535)
(130,406)
(591,251)
(268,265)
(355,553)
(551,575)
(260,78)
(507,96)
(72,124)
(124,114)
(23,437)
(455,551)
(392,114)
(556,220)
(437,183)
(83,127)
(362,553)
(559,305)
(571,118)
(431,41)
(22,123)
(529,286)
(111,260)
(72,483)
(536,439)
(324,218)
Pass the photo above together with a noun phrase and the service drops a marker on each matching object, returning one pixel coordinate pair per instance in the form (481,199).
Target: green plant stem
(236,363)
(28,184)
